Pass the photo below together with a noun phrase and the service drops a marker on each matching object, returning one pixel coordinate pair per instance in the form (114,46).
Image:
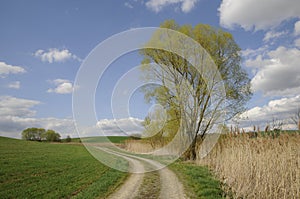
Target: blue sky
(44,43)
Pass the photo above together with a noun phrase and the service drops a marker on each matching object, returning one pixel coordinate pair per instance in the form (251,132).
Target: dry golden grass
(260,167)
(138,146)
(144,146)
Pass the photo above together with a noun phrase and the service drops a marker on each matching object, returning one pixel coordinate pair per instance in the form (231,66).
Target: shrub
(68,139)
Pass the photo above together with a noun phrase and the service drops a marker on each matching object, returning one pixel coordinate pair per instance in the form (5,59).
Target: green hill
(45,170)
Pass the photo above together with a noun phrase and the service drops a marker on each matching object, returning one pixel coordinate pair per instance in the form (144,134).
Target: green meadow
(38,170)
(30,169)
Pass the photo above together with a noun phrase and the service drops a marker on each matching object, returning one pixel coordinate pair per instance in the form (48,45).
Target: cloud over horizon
(17,114)
(125,126)
(280,109)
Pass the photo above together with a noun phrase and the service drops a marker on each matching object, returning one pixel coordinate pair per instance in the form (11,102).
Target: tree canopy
(40,134)
(183,91)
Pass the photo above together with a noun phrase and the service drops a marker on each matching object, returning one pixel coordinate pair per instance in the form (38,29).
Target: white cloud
(254,52)
(281,109)
(17,114)
(6,69)
(11,106)
(55,55)
(259,62)
(257,14)
(128,5)
(157,5)
(297,28)
(112,127)
(188,5)
(297,42)
(63,86)
(12,126)
(278,72)
(273,35)
(63,126)
(124,126)
(14,85)
(60,81)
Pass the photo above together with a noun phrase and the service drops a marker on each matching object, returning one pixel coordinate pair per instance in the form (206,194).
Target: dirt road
(171,187)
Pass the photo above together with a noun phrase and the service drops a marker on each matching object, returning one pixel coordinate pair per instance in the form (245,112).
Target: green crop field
(44,170)
(99,139)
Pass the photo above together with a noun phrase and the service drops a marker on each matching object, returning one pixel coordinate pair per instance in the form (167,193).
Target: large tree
(183,91)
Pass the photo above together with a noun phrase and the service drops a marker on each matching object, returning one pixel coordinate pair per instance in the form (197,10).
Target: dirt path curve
(171,187)
(131,186)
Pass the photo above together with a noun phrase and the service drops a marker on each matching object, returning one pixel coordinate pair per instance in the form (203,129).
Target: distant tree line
(40,134)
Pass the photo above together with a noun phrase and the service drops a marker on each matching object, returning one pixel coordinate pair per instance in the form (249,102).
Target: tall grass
(138,146)
(258,167)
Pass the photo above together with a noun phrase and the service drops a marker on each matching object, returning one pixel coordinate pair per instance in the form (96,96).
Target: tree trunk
(190,153)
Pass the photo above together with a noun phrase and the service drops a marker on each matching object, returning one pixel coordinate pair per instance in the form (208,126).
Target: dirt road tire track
(171,187)
(131,186)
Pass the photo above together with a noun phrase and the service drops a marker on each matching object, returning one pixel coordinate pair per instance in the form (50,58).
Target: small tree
(52,136)
(33,134)
(296,118)
(276,124)
(68,139)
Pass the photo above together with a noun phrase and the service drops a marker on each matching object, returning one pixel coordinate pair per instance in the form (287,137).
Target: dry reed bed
(138,146)
(260,167)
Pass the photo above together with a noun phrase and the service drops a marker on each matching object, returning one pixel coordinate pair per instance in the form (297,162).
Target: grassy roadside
(150,187)
(198,181)
(39,170)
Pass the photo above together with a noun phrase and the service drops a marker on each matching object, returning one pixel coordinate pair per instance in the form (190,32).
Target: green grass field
(45,170)
(113,139)
(198,181)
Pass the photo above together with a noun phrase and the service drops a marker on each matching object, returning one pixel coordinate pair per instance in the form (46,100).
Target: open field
(113,139)
(37,170)
(266,166)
